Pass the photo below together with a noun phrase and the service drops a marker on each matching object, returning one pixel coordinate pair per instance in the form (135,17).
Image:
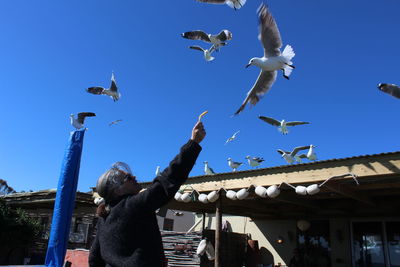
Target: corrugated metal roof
(289,166)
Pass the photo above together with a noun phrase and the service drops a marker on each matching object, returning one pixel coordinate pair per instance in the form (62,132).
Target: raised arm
(167,184)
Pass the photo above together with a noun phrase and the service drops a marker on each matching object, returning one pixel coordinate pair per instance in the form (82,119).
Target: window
(376,244)
(314,244)
(79,231)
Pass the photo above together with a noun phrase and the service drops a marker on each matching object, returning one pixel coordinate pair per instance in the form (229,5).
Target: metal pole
(218,226)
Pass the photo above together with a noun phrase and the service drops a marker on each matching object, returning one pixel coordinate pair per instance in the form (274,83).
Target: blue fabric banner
(65,201)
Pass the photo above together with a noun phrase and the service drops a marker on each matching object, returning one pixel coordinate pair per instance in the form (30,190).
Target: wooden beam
(348,192)
(218,230)
(363,167)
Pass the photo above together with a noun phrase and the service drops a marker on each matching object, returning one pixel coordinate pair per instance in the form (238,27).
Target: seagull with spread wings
(114,122)
(233,137)
(272,61)
(290,157)
(78,123)
(235,4)
(391,89)
(112,91)
(207,52)
(282,125)
(216,40)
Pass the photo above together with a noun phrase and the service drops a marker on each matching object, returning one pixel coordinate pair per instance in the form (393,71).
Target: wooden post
(204,222)
(218,228)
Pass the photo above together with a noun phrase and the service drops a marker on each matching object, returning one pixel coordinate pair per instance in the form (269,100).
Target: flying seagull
(216,40)
(254,161)
(207,169)
(290,157)
(233,137)
(78,123)
(207,52)
(272,61)
(114,122)
(234,165)
(112,91)
(282,125)
(235,4)
(390,89)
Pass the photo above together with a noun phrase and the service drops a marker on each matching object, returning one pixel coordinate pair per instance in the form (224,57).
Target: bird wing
(96,90)
(196,47)
(113,86)
(280,151)
(196,35)
(269,33)
(258,159)
(213,1)
(302,156)
(234,135)
(224,35)
(270,120)
(83,115)
(294,123)
(297,149)
(391,89)
(211,169)
(261,86)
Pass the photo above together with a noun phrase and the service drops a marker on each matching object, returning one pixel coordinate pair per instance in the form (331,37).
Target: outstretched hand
(198,132)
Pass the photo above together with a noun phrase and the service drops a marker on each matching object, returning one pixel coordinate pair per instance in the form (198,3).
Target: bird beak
(248,65)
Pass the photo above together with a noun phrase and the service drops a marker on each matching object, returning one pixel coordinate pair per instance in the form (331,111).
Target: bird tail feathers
(287,70)
(288,53)
(236,4)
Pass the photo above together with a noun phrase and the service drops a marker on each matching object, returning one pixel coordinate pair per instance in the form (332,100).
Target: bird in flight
(282,125)
(235,4)
(216,40)
(114,122)
(391,89)
(272,61)
(290,157)
(233,137)
(112,91)
(207,52)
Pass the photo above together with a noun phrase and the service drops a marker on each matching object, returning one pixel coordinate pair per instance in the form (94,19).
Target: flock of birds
(272,61)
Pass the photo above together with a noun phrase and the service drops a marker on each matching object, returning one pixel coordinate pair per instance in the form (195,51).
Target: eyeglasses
(129,177)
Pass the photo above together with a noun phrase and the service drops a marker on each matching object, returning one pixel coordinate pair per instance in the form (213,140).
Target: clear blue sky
(52,50)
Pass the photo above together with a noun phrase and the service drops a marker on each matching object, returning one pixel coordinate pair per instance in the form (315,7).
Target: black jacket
(129,235)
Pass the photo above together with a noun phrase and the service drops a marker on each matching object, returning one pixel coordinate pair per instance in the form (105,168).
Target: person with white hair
(127,229)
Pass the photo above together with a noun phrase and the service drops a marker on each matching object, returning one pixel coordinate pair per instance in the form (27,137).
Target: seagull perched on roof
(216,40)
(158,172)
(234,165)
(207,169)
(311,155)
(114,122)
(254,161)
(112,91)
(233,137)
(207,52)
(390,89)
(282,125)
(78,122)
(290,157)
(272,60)
(235,4)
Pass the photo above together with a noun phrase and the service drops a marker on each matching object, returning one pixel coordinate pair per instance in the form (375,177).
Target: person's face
(130,185)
